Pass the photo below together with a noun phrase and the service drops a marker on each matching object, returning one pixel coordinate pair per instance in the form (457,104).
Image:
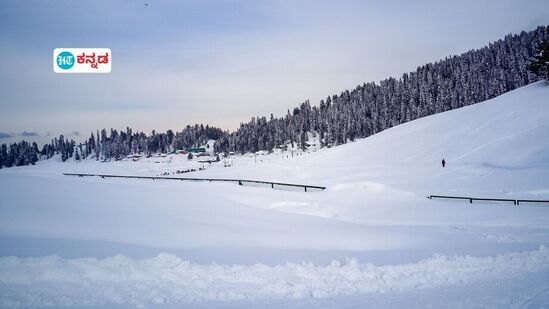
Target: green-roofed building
(196,150)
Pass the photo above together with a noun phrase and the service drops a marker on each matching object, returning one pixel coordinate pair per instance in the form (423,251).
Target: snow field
(69,241)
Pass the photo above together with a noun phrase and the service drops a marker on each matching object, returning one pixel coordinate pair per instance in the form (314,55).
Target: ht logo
(65,60)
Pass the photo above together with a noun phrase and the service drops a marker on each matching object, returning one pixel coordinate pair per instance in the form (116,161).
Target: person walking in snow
(443,163)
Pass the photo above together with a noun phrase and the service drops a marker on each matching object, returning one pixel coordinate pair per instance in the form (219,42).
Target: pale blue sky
(222,62)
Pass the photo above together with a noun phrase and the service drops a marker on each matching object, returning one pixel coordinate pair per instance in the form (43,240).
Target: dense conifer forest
(451,83)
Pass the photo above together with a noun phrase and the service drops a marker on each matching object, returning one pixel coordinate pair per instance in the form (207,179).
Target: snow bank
(166,279)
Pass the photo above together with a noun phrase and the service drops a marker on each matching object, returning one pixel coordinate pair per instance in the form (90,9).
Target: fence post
(470,201)
(305,188)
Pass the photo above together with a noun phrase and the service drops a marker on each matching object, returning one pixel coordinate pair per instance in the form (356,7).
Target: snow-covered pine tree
(540,63)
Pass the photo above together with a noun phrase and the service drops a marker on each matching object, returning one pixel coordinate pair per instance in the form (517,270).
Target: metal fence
(490,201)
(242,182)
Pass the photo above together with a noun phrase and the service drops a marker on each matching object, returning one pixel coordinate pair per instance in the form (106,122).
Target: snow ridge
(167,279)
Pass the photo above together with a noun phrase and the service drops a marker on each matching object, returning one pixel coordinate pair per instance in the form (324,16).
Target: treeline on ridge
(451,83)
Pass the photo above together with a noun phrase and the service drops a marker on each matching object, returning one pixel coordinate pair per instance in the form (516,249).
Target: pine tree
(540,64)
(97,146)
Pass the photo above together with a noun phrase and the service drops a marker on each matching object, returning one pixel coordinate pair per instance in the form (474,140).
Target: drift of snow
(168,279)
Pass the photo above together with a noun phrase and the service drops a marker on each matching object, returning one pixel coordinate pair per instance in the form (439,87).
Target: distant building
(196,150)
(134,157)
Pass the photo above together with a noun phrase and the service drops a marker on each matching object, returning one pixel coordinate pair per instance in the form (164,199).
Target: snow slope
(145,242)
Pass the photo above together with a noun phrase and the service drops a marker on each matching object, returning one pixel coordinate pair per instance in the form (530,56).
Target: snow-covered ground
(370,239)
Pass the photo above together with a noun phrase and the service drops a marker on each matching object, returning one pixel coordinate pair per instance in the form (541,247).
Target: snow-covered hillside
(370,239)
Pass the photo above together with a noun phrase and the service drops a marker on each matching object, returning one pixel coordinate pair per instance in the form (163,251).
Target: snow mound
(166,279)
